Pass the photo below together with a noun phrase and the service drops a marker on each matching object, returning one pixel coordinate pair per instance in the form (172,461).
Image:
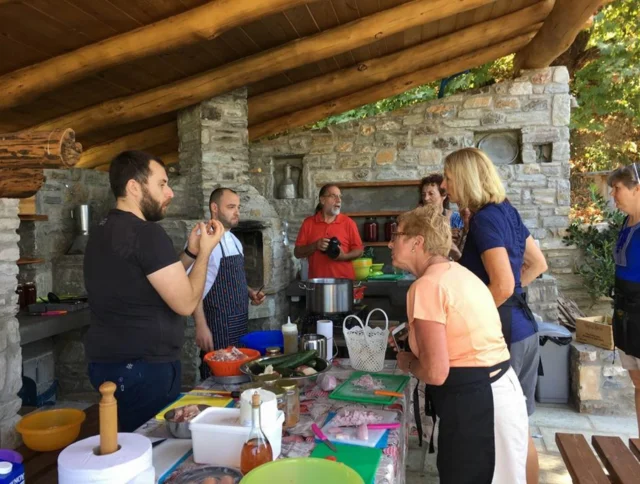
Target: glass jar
(292,414)
(272,351)
(370,230)
(390,226)
(281,398)
(21,296)
(30,293)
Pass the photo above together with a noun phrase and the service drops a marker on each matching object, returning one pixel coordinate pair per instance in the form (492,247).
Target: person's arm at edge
(534,263)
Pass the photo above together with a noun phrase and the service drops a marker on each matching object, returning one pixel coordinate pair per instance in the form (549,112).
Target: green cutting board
(386,277)
(363,460)
(347,391)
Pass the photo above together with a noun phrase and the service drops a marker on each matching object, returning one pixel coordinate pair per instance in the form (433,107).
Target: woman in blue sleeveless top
(625,190)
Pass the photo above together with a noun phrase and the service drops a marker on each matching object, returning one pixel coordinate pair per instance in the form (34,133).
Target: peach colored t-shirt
(452,295)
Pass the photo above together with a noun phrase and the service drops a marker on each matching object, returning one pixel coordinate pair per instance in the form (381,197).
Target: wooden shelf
(33,217)
(378,213)
(377,184)
(29,260)
(375,244)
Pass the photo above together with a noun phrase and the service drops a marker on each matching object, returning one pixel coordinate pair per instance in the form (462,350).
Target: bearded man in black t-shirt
(139,290)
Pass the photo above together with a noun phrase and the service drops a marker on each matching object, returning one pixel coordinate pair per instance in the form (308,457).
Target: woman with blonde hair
(458,350)
(500,250)
(625,189)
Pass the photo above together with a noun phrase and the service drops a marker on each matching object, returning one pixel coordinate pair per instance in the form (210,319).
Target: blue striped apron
(226,305)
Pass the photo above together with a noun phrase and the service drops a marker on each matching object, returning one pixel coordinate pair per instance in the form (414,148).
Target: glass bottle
(292,413)
(370,230)
(257,449)
(30,293)
(390,227)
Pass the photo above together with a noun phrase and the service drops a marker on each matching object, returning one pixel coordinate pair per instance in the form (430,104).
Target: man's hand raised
(210,235)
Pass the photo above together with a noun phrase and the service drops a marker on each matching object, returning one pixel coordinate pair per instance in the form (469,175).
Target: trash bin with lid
(553,386)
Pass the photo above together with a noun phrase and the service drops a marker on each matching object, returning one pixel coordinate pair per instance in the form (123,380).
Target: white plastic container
(218,436)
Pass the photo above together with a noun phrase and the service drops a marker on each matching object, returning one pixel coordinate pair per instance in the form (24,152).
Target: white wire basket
(366,345)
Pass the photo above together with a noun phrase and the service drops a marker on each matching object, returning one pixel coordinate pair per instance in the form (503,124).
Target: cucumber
(275,361)
(301,358)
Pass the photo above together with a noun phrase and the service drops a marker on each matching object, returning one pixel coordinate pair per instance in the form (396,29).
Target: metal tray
(199,475)
(251,369)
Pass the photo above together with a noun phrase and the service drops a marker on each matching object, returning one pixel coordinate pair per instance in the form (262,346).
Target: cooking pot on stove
(328,296)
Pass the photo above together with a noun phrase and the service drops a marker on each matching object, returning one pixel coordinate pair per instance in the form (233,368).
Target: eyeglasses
(333,196)
(395,235)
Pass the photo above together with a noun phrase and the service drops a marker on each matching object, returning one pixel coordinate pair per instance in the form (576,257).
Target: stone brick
(344,147)
(536,105)
(422,141)
(556,88)
(529,169)
(561,113)
(589,382)
(560,75)
(492,118)
(388,140)
(530,181)
(388,125)
(413,120)
(555,222)
(441,111)
(366,149)
(544,134)
(520,88)
(428,127)
(563,189)
(471,113)
(396,174)
(430,157)
(367,130)
(478,102)
(528,156)
(542,76)
(561,151)
(385,157)
(501,88)
(462,123)
(300,143)
(507,103)
(544,196)
(534,117)
(353,161)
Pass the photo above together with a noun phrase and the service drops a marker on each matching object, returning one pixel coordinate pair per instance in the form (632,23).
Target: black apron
(226,305)
(626,317)
(466,439)
(506,314)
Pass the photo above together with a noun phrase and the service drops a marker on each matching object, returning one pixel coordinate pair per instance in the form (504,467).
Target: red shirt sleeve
(303,235)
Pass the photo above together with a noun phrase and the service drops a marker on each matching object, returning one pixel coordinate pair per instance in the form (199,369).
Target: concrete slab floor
(547,420)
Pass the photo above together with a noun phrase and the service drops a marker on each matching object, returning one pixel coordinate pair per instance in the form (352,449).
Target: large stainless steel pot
(328,296)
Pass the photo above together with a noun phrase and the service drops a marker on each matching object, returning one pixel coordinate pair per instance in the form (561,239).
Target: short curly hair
(428,222)
(434,179)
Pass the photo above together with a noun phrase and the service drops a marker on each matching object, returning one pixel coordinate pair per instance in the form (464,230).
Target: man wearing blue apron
(223,315)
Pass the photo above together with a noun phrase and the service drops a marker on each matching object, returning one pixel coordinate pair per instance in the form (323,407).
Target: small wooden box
(596,331)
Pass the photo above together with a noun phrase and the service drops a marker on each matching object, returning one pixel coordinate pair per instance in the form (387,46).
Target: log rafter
(53,148)
(389,88)
(20,182)
(201,23)
(560,29)
(202,86)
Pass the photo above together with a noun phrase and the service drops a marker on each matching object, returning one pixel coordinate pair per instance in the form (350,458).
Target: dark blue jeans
(142,389)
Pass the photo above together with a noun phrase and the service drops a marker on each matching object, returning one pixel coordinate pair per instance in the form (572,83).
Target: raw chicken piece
(234,354)
(368,382)
(186,413)
(353,417)
(227,480)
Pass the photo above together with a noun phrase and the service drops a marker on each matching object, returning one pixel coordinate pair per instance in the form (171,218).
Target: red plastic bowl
(229,368)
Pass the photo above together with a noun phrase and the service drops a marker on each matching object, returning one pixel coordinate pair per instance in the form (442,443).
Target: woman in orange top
(458,350)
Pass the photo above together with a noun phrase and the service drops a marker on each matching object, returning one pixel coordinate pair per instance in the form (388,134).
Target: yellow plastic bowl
(376,267)
(361,273)
(51,429)
(362,262)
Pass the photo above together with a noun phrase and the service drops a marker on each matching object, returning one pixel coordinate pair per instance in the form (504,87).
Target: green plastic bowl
(304,470)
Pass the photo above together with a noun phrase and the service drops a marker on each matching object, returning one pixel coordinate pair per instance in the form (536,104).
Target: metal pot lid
(329,281)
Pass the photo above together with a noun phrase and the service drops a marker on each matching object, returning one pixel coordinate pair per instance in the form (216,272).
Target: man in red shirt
(317,230)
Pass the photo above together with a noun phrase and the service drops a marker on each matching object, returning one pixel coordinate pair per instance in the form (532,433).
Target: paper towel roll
(131,464)
(268,407)
(325,328)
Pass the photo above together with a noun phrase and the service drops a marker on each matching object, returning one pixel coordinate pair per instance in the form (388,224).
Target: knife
(322,437)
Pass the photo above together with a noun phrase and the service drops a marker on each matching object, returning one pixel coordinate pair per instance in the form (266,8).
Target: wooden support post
(53,148)
(389,88)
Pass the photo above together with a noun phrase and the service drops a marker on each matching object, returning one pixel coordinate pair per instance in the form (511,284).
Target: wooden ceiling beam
(565,21)
(53,148)
(20,183)
(389,88)
(312,92)
(103,153)
(195,89)
(196,25)
(168,159)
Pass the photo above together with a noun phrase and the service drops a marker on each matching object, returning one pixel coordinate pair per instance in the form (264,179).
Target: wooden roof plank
(108,13)
(74,18)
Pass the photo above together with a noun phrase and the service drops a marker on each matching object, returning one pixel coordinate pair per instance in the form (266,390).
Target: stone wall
(10,352)
(412,142)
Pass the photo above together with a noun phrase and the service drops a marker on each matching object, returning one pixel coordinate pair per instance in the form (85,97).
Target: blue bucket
(261,340)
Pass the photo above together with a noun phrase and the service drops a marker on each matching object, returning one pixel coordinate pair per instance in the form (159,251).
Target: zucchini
(275,360)
(301,358)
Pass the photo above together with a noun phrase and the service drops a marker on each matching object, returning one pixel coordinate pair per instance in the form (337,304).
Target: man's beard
(227,223)
(335,211)
(152,210)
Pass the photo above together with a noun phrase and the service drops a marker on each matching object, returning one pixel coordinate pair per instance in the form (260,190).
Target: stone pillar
(213,147)
(10,352)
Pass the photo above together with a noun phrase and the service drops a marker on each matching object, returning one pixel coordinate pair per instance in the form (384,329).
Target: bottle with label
(11,473)
(370,230)
(290,335)
(257,449)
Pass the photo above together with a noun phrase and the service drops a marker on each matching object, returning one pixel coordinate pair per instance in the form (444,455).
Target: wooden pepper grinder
(108,419)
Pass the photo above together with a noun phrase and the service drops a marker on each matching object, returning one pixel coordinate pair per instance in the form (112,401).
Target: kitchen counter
(35,328)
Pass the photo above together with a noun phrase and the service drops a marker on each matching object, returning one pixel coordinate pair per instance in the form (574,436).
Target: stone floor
(547,420)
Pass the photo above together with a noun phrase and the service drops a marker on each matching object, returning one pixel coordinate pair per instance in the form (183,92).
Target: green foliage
(609,83)
(597,268)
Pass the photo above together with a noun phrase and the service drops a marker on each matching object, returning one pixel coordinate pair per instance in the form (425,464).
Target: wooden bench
(42,467)
(621,462)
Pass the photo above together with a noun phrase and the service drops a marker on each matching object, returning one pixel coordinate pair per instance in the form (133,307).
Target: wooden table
(622,462)
(42,467)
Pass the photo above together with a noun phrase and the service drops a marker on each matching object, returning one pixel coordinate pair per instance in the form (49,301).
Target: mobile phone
(400,334)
